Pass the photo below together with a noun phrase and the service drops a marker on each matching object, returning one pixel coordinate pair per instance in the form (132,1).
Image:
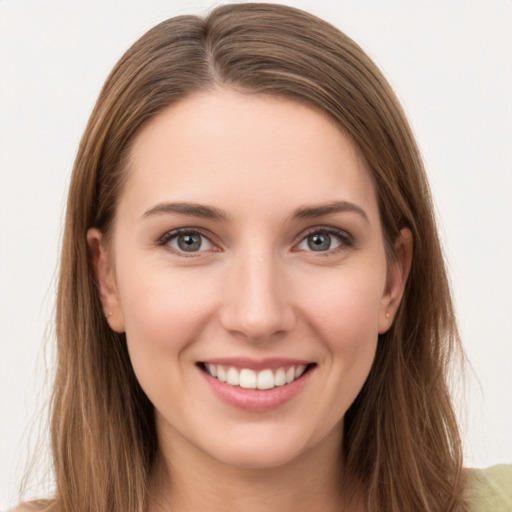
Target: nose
(256,303)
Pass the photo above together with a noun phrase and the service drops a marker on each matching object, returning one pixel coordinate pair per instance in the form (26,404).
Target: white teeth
(299,370)
(233,377)
(265,379)
(221,374)
(280,378)
(249,379)
(212,369)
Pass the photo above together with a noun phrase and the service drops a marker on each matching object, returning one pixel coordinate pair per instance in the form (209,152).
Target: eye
(186,241)
(323,240)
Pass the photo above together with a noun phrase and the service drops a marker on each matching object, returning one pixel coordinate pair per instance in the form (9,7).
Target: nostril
(255,306)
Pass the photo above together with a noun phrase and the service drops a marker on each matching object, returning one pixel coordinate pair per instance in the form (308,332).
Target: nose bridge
(256,304)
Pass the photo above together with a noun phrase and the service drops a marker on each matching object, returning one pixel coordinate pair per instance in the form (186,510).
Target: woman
(253,308)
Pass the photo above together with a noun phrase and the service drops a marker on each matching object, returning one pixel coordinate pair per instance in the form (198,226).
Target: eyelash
(170,235)
(346,241)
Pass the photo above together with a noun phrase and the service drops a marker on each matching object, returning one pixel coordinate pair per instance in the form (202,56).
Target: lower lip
(256,400)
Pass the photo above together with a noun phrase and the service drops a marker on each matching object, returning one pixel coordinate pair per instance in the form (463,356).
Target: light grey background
(451,65)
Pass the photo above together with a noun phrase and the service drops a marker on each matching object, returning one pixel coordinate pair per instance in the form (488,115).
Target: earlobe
(105,279)
(398,272)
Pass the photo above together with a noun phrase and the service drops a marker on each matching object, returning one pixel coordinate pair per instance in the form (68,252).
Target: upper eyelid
(346,239)
(325,229)
(168,235)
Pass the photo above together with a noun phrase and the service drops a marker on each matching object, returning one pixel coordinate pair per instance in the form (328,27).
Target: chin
(271,446)
(254,456)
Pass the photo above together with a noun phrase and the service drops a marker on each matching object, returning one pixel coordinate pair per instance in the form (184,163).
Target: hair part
(401,438)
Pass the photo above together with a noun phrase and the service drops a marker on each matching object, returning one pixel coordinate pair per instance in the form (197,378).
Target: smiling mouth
(247,378)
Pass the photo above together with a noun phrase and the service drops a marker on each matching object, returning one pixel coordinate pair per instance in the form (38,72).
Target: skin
(254,289)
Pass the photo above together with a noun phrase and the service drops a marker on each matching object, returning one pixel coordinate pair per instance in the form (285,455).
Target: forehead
(245,151)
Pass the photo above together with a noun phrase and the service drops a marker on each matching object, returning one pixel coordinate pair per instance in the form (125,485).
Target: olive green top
(489,490)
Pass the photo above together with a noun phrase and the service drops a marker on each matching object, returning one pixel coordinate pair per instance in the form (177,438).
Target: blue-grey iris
(189,242)
(319,242)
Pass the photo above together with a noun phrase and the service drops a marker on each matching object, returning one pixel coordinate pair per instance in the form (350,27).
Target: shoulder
(490,490)
(34,506)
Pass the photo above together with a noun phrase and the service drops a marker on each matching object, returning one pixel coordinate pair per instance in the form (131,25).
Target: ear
(105,279)
(398,271)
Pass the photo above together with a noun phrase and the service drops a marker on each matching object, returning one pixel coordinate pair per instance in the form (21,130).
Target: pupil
(189,243)
(319,242)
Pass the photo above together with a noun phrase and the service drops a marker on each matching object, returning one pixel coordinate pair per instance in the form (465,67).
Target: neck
(188,480)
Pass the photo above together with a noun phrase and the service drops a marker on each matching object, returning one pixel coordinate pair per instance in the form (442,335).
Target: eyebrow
(213,213)
(312,212)
(192,209)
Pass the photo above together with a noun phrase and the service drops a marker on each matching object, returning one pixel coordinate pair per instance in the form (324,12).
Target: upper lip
(256,364)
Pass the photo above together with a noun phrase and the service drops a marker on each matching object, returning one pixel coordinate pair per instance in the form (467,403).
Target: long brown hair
(400,439)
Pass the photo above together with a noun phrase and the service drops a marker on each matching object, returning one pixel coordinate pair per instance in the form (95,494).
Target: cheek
(165,312)
(344,306)
(163,307)
(343,315)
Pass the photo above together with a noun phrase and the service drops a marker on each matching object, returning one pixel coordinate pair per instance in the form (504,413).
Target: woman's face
(248,247)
